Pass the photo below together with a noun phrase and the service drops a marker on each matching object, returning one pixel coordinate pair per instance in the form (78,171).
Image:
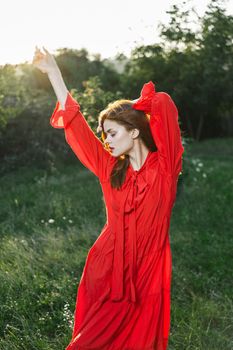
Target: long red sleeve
(87,147)
(166,133)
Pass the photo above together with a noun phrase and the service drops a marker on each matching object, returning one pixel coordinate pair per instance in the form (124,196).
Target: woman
(123,299)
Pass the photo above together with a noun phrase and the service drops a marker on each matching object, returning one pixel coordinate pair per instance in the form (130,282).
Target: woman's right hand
(44,61)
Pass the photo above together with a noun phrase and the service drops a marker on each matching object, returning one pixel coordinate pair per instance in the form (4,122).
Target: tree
(207,66)
(193,62)
(12,95)
(94,99)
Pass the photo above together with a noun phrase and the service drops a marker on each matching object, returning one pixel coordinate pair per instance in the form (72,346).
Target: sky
(103,26)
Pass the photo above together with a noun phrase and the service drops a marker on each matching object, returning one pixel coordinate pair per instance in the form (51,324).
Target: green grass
(49,220)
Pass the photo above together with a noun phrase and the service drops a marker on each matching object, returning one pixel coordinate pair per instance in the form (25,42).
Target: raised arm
(166,133)
(87,147)
(164,127)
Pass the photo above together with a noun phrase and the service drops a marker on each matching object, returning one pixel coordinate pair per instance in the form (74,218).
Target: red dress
(123,298)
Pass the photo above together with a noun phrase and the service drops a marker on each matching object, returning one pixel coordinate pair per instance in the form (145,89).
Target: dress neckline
(143,165)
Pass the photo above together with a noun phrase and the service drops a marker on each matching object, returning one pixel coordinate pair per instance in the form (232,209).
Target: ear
(134,133)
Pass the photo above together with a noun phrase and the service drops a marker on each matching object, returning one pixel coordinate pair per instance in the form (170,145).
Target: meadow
(49,219)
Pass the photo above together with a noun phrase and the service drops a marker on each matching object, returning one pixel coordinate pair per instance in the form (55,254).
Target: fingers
(38,54)
(43,60)
(46,51)
(38,59)
(37,50)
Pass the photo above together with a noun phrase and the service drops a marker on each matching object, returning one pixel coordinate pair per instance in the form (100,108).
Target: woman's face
(120,140)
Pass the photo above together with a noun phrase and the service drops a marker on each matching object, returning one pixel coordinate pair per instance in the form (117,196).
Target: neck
(137,156)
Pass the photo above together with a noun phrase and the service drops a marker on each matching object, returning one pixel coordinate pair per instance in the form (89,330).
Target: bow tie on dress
(133,191)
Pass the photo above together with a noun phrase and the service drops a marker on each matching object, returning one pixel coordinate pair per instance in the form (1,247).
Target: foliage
(35,140)
(195,66)
(94,99)
(78,66)
(12,96)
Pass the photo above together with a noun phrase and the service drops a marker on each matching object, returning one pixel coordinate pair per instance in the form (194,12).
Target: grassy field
(50,219)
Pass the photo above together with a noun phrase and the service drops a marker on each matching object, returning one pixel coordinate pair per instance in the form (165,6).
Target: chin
(118,154)
(115,155)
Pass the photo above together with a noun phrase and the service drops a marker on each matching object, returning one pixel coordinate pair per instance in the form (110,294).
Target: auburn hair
(122,112)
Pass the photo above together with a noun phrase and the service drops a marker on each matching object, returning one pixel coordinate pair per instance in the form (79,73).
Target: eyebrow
(110,130)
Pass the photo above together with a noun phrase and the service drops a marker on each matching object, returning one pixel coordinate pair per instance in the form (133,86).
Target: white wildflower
(68,315)
(51,221)
(195,161)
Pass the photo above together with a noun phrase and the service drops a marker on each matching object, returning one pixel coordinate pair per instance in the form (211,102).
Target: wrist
(54,71)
